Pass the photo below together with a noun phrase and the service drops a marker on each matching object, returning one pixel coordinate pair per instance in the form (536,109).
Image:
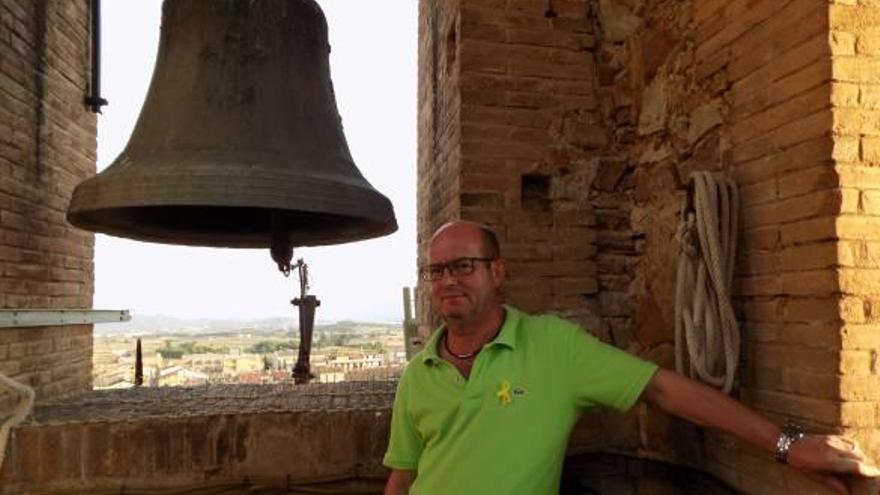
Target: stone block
(610,173)
(617,21)
(654,103)
(705,118)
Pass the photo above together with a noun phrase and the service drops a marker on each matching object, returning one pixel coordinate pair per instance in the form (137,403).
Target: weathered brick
(843,43)
(853,18)
(864,337)
(869,202)
(861,281)
(817,204)
(793,357)
(826,411)
(844,94)
(807,180)
(811,310)
(812,230)
(815,334)
(858,227)
(758,263)
(861,387)
(816,283)
(857,414)
(870,150)
(856,69)
(846,149)
(766,285)
(869,97)
(767,238)
(868,42)
(809,256)
(729,31)
(790,49)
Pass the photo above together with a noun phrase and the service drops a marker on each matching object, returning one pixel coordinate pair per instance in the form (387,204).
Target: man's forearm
(708,407)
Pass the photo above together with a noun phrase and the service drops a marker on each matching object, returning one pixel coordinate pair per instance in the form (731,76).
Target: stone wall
(47,145)
(579,128)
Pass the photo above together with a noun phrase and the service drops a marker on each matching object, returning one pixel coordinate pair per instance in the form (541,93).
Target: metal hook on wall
(94,100)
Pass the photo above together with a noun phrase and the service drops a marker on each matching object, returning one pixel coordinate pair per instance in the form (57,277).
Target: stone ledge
(272,435)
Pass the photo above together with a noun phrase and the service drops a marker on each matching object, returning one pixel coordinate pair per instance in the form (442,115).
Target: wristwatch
(790,434)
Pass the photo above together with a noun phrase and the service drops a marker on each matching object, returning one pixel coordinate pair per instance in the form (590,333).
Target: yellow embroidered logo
(503,393)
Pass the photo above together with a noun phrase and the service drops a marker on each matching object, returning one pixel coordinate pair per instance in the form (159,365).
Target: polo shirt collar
(506,337)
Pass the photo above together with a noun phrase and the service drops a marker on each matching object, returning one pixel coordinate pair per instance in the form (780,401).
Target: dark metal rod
(94,100)
(138,365)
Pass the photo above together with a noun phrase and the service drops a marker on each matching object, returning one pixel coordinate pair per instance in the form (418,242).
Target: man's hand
(825,457)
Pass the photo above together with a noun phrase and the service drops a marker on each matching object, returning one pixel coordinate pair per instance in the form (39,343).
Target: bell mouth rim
(175,224)
(217,209)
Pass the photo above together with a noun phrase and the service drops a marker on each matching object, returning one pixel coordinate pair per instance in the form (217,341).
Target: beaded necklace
(471,354)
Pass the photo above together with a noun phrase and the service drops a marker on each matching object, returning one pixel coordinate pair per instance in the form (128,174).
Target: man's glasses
(457,268)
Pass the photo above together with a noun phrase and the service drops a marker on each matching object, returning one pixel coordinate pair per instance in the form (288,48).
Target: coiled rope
(707,339)
(20,411)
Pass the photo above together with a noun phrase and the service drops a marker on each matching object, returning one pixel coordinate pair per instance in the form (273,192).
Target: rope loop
(707,338)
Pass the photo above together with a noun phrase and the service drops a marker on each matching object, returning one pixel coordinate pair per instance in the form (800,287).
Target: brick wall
(531,144)
(578,132)
(855,94)
(47,145)
(439,106)
(520,92)
(767,68)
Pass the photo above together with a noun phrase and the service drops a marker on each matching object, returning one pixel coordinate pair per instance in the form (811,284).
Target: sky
(373,66)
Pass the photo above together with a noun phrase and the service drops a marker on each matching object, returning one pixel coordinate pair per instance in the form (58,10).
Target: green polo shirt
(504,430)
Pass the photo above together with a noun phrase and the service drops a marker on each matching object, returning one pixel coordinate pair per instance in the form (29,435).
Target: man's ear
(499,271)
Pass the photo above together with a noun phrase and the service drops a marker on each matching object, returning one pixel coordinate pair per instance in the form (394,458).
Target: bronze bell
(239,142)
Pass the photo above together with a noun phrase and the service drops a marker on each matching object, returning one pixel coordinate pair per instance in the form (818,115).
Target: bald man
(489,404)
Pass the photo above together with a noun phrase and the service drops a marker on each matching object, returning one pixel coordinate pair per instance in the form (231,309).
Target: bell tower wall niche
(47,146)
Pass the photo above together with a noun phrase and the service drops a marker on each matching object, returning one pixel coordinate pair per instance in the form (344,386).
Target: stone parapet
(285,437)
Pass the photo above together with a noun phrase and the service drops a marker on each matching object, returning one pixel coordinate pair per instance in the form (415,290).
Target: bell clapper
(281,251)
(306,304)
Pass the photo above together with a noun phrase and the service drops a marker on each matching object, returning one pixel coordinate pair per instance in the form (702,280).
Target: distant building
(180,376)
